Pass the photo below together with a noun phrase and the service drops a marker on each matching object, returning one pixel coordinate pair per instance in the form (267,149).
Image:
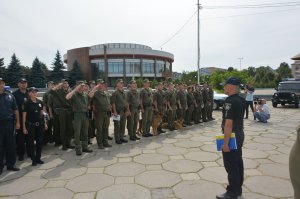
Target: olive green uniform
(119,99)
(53,103)
(182,97)
(190,103)
(205,103)
(147,101)
(102,113)
(65,115)
(210,103)
(294,165)
(80,109)
(172,100)
(133,99)
(48,137)
(160,99)
(198,109)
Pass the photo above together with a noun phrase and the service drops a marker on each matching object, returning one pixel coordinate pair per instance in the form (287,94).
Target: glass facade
(133,67)
(115,67)
(148,66)
(160,65)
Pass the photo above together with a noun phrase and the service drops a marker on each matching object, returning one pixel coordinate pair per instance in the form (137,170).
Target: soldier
(133,100)
(64,112)
(120,111)
(53,105)
(146,98)
(191,102)
(79,101)
(48,137)
(21,96)
(9,121)
(199,101)
(205,103)
(182,102)
(210,102)
(102,113)
(159,102)
(171,106)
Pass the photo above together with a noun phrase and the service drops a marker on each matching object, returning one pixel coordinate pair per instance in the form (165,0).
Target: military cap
(22,80)
(100,81)
(132,82)
(1,79)
(233,81)
(119,81)
(170,83)
(80,82)
(64,80)
(189,87)
(50,82)
(180,83)
(92,82)
(32,89)
(146,81)
(160,83)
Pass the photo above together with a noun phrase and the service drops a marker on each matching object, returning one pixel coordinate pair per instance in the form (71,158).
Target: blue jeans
(262,116)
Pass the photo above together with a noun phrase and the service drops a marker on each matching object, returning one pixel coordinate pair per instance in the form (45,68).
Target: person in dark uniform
(34,125)
(9,121)
(233,113)
(210,102)
(48,137)
(21,96)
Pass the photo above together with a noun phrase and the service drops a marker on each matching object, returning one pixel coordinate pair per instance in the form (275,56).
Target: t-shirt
(33,110)
(7,106)
(265,108)
(250,93)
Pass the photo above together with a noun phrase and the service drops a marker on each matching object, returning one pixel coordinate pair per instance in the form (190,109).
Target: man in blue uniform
(233,113)
(9,120)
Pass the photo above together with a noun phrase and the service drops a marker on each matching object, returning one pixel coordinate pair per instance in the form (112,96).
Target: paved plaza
(178,164)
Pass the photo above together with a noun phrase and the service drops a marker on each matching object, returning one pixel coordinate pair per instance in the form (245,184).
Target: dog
(140,128)
(156,120)
(178,124)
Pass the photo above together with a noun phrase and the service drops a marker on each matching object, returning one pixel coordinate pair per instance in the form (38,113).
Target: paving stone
(8,175)
(151,158)
(51,162)
(201,156)
(162,193)
(183,135)
(149,151)
(90,195)
(64,172)
(124,191)
(157,179)
(182,166)
(123,153)
(95,170)
(49,193)
(124,180)
(285,150)
(154,167)
(267,140)
(254,196)
(276,136)
(97,161)
(56,184)
(90,182)
(190,176)
(151,145)
(209,148)
(201,138)
(252,172)
(34,173)
(176,157)
(210,164)
(188,144)
(276,170)
(197,189)
(125,160)
(125,169)
(282,159)
(259,146)
(249,163)
(171,150)
(269,186)
(214,174)
(21,186)
(249,153)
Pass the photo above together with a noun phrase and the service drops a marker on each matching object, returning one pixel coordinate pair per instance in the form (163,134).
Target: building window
(168,67)
(160,66)
(148,67)
(115,67)
(133,68)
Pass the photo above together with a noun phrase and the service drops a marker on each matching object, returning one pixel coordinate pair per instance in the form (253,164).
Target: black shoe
(33,163)
(89,142)
(150,135)
(162,131)
(78,153)
(21,158)
(123,140)
(1,170)
(246,118)
(183,126)
(87,150)
(145,135)
(132,138)
(13,168)
(40,162)
(227,195)
(137,138)
(109,138)
(71,147)
(107,145)
(205,120)
(64,148)
(101,147)
(212,118)
(171,129)
(118,142)
(57,144)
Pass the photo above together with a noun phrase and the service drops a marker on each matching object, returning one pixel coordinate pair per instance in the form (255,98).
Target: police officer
(21,96)
(48,137)
(64,112)
(9,121)
(171,106)
(159,102)
(34,125)
(102,113)
(79,101)
(133,100)
(233,113)
(120,111)
(146,98)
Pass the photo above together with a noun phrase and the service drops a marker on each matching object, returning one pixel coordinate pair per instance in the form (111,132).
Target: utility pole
(198,47)
(240,58)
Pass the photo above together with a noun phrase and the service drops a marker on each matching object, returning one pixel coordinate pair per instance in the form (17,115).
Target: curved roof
(296,57)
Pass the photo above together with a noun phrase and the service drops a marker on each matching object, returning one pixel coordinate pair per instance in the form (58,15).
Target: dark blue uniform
(35,127)
(234,108)
(7,130)
(21,137)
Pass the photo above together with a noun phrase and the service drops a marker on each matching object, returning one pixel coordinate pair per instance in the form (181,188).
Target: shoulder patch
(227,106)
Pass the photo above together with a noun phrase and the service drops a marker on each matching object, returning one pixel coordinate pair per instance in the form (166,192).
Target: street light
(240,58)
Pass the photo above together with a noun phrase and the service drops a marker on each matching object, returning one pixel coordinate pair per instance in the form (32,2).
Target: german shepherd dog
(156,120)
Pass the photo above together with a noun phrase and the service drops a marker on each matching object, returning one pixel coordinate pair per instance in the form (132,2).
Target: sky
(38,28)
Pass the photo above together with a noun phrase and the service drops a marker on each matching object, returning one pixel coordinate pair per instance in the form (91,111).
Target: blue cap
(232,80)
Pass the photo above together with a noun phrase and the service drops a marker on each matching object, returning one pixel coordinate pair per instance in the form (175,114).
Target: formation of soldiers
(90,106)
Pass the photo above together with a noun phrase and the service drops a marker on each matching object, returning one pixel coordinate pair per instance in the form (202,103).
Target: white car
(218,100)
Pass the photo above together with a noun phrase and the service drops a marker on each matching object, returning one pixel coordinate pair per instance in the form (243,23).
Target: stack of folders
(220,141)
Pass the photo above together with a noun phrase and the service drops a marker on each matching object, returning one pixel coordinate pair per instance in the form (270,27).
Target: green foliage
(75,74)
(2,69)
(139,82)
(57,73)
(1,62)
(14,72)
(45,70)
(154,83)
(37,76)
(283,71)
(264,77)
(189,77)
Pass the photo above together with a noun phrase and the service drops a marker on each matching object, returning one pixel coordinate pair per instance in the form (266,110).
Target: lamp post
(240,58)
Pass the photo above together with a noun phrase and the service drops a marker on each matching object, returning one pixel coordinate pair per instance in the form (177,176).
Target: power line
(270,5)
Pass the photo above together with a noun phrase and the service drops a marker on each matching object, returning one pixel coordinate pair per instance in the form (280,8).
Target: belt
(34,123)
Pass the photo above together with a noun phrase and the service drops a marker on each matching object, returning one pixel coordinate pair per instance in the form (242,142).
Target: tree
(45,71)
(283,71)
(2,69)
(251,71)
(37,76)
(230,69)
(75,74)
(57,73)
(14,71)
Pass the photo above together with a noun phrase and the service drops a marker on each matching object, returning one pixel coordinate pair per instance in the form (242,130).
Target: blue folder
(220,141)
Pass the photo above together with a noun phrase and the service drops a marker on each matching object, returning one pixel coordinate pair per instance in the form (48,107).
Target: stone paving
(179,164)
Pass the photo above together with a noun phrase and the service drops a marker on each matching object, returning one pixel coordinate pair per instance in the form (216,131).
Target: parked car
(287,92)
(219,100)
